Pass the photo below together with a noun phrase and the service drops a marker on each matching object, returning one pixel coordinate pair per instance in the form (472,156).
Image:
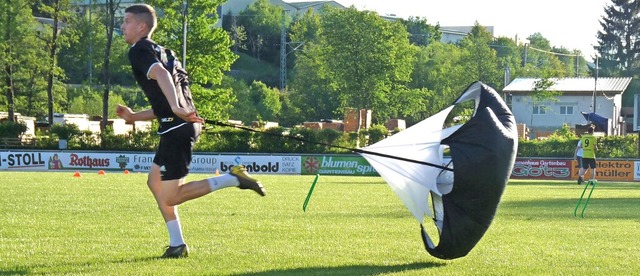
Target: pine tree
(619,40)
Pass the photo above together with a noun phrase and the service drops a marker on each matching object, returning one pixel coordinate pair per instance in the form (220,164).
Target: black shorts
(588,162)
(175,151)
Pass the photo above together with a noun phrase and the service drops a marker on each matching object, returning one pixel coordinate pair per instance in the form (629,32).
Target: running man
(179,128)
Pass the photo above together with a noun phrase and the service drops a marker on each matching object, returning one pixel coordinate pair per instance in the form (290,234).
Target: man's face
(131,28)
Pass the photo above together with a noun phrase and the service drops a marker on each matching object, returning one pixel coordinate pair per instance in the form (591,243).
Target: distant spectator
(578,157)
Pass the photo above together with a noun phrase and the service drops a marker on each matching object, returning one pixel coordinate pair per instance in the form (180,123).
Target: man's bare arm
(165,82)
(128,115)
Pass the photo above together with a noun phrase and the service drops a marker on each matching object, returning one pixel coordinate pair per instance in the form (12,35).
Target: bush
(65,131)
(377,133)
(10,129)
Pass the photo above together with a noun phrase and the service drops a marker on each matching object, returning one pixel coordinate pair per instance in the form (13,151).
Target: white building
(453,34)
(234,7)
(577,96)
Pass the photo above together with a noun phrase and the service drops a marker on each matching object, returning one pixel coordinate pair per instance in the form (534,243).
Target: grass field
(52,223)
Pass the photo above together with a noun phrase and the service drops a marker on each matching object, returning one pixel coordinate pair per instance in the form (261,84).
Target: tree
(619,39)
(306,28)
(60,12)
(376,60)
(208,53)
(17,23)
(266,100)
(311,96)
(84,55)
(420,32)
(109,20)
(540,60)
(311,90)
(479,60)
(438,68)
(541,93)
(263,24)
(509,57)
(90,103)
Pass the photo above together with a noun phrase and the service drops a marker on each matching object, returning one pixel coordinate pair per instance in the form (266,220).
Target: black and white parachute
(464,194)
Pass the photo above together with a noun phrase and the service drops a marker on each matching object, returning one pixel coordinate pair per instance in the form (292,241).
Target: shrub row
(301,140)
(563,142)
(217,139)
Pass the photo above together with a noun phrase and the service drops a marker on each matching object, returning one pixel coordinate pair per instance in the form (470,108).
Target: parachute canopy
(465,192)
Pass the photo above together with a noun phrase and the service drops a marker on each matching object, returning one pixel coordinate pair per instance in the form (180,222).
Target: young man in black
(180,126)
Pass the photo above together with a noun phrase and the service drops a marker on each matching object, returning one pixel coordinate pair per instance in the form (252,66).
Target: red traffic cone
(77,174)
(101,172)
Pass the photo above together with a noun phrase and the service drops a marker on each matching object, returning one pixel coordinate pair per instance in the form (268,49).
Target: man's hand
(124,112)
(187,115)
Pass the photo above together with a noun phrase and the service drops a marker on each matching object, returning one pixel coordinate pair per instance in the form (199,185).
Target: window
(539,109)
(566,110)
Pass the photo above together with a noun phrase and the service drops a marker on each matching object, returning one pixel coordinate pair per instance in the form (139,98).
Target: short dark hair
(590,129)
(144,13)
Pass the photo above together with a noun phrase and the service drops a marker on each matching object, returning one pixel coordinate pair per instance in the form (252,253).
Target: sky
(572,24)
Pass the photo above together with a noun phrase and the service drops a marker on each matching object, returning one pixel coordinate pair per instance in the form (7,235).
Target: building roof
(577,85)
(304,5)
(463,30)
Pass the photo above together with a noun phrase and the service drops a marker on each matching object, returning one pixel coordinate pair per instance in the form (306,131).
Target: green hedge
(608,147)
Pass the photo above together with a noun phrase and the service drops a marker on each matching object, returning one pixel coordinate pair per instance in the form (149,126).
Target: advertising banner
(541,169)
(24,160)
(336,165)
(141,162)
(87,161)
(202,163)
(636,170)
(566,169)
(613,170)
(260,164)
(524,168)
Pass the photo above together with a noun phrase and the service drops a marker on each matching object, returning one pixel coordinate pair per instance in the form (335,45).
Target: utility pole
(90,43)
(283,53)
(595,86)
(525,54)
(184,34)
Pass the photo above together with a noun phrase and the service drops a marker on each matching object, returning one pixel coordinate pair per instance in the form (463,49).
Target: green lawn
(52,223)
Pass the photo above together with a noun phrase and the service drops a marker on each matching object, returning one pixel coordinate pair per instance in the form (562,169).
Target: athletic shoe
(246,181)
(179,251)
(580,180)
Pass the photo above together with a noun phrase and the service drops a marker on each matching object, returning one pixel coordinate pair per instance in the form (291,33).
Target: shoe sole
(256,186)
(178,252)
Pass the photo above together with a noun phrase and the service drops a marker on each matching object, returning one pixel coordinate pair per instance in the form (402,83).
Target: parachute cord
(218,123)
